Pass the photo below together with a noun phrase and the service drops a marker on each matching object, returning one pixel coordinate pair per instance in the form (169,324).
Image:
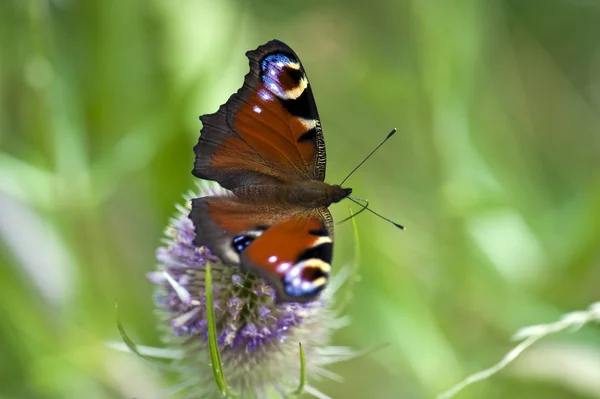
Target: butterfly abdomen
(309,194)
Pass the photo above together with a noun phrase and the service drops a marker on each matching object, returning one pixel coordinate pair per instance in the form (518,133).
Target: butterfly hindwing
(268,132)
(291,248)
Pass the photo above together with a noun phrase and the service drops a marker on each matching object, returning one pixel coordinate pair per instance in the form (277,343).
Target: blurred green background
(495,172)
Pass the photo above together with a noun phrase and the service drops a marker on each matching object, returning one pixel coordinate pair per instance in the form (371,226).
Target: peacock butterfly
(265,145)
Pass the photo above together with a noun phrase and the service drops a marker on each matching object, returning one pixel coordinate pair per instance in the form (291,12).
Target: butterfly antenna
(362,208)
(366,208)
(369,156)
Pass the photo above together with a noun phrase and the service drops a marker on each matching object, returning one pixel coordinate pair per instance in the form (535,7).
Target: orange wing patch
(285,242)
(266,126)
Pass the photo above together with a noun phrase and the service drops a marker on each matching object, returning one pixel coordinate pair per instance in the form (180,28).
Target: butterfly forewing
(269,131)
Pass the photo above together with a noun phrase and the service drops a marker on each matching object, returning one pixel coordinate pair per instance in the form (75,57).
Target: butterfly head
(338,193)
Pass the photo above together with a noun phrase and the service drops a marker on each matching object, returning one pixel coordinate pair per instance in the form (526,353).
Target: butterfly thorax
(307,193)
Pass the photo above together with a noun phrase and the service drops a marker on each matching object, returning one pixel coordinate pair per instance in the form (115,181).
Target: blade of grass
(529,336)
(128,341)
(133,347)
(302,382)
(148,351)
(354,273)
(215,355)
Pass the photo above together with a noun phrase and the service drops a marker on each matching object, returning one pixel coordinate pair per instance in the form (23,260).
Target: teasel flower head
(258,339)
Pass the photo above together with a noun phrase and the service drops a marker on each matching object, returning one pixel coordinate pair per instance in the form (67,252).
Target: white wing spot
(282,268)
(265,95)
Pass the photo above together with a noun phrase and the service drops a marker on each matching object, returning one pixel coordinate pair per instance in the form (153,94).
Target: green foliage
(495,171)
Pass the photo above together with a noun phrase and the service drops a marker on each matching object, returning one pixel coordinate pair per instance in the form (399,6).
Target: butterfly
(265,146)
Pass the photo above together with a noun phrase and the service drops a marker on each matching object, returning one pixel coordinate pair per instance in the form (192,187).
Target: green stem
(302,382)
(215,355)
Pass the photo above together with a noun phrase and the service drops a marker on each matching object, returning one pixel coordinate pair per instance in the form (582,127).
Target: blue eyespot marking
(306,278)
(276,60)
(281,75)
(241,242)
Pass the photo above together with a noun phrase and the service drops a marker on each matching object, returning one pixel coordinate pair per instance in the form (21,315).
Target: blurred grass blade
(529,335)
(213,346)
(133,347)
(148,351)
(302,382)
(130,344)
(354,272)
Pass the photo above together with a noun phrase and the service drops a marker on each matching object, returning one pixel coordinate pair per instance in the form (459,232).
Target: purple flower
(258,339)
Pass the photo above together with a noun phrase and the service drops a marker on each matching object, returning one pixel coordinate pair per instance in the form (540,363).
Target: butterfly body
(265,146)
(308,194)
